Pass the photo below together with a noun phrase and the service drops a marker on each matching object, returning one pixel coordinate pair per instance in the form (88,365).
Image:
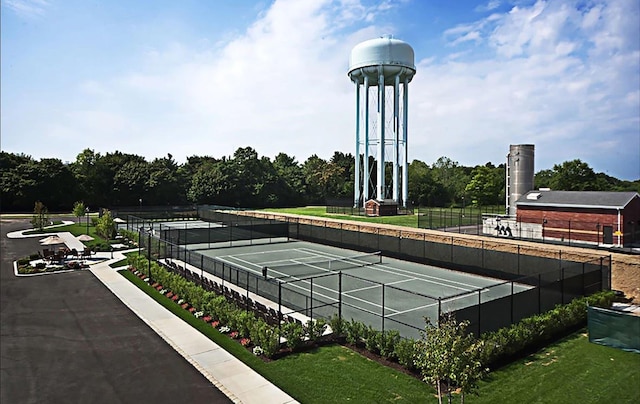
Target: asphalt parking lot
(65,338)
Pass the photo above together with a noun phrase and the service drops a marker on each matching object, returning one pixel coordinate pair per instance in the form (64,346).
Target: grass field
(320,211)
(569,371)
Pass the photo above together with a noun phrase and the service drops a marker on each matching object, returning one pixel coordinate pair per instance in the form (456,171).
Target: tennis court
(377,290)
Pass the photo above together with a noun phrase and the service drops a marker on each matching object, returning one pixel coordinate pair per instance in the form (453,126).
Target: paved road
(66,339)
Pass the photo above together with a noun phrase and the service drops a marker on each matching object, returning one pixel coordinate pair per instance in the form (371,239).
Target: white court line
(422,278)
(283,274)
(295,285)
(413,309)
(319,254)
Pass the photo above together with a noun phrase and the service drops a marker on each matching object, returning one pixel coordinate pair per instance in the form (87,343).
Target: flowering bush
(245,341)
(198,314)
(206,319)
(146,279)
(180,301)
(234,334)
(224,329)
(163,291)
(257,351)
(215,324)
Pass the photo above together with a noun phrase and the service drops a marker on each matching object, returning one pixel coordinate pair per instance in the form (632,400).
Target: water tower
(381,69)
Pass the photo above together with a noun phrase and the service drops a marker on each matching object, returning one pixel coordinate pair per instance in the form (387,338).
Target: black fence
(467,220)
(532,284)
(167,213)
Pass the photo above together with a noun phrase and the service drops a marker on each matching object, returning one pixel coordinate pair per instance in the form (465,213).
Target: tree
(452,177)
(292,188)
(105,226)
(40,216)
(448,357)
(486,185)
(79,210)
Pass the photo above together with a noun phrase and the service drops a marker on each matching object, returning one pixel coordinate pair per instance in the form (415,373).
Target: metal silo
(520,172)
(381,116)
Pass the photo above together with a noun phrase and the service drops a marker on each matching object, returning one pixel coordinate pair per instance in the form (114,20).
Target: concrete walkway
(231,376)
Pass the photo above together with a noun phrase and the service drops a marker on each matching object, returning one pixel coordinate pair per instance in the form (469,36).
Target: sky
(204,78)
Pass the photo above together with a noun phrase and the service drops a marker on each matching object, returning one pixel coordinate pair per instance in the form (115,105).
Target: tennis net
(322,266)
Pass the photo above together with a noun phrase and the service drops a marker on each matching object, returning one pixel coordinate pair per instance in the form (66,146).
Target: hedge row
(500,345)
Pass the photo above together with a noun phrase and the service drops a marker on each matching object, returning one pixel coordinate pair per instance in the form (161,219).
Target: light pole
(86,211)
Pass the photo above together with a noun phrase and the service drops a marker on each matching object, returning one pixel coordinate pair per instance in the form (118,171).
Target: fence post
(560,258)
(482,260)
(451,260)
(439,310)
(340,295)
(311,297)
(539,293)
(511,302)
(479,310)
(562,285)
(382,308)
(279,310)
(518,259)
(201,269)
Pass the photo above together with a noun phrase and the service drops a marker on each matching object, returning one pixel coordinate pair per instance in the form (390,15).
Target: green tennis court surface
(379,291)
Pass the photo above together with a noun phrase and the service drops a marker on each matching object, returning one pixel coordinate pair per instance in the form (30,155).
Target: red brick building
(385,207)
(603,218)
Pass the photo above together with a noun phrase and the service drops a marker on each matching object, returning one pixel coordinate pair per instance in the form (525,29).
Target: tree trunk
(439,391)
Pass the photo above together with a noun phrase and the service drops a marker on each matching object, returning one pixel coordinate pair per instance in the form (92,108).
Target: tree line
(247,180)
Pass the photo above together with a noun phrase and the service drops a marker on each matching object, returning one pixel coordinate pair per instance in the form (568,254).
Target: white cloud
(549,83)
(561,77)
(27,8)
(491,5)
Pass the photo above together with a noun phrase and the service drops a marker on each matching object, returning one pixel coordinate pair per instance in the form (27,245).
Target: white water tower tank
(381,125)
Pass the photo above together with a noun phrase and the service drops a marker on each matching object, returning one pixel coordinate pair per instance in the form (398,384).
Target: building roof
(577,199)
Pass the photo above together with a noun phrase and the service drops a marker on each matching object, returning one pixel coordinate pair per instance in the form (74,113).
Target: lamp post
(86,211)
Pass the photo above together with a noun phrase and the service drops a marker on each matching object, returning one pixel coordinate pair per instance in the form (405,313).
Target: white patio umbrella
(84,237)
(51,240)
(118,220)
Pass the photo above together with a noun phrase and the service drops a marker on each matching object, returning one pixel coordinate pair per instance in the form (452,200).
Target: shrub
(372,339)
(267,338)
(541,328)
(387,343)
(405,351)
(338,325)
(355,332)
(314,329)
(294,333)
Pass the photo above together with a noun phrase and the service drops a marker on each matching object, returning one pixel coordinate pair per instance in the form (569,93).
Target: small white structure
(375,65)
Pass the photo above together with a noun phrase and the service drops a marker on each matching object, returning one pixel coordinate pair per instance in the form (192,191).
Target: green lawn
(570,371)
(328,374)
(401,220)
